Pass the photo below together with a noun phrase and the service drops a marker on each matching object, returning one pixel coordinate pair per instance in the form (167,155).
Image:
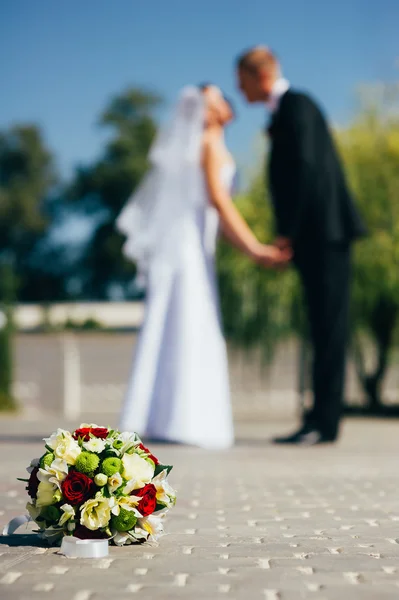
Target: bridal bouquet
(98,483)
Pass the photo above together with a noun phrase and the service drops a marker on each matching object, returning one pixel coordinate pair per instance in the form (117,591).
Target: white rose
(68,450)
(64,446)
(45,494)
(137,469)
(95,445)
(96,513)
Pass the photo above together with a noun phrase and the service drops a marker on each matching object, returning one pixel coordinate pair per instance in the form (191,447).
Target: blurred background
(84,87)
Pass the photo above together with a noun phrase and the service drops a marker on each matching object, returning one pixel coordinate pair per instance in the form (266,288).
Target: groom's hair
(204,86)
(257,58)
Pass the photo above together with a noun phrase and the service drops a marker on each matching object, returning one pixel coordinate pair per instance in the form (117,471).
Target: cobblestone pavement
(254,522)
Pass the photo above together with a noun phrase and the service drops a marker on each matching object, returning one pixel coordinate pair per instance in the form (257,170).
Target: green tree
(26,179)
(371,153)
(259,306)
(102,189)
(7,292)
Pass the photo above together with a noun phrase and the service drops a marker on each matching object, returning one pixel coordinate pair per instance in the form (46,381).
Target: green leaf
(160,468)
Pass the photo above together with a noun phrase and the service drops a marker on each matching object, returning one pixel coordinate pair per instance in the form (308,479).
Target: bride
(179,388)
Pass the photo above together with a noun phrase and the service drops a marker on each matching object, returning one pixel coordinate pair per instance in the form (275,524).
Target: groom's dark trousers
(315,211)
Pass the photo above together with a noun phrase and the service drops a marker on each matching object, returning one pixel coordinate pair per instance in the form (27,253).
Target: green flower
(51,514)
(111,465)
(46,460)
(87,463)
(118,444)
(125,521)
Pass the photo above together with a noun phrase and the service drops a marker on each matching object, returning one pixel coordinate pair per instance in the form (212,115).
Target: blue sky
(66,60)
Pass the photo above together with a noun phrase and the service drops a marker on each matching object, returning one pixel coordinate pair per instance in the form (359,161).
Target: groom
(316,217)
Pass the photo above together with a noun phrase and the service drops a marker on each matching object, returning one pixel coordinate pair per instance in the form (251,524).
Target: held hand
(272,256)
(283,243)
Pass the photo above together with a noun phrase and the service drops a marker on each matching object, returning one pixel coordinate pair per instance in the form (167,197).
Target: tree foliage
(370,148)
(102,189)
(258,305)
(27,177)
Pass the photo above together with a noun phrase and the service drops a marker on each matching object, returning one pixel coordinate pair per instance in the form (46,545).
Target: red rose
(153,458)
(84,433)
(148,502)
(83,533)
(99,432)
(77,488)
(33,483)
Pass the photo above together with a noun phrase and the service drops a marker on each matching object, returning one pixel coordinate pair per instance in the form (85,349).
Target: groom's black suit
(314,209)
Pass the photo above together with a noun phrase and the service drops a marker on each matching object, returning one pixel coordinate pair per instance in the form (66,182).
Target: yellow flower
(96,513)
(137,469)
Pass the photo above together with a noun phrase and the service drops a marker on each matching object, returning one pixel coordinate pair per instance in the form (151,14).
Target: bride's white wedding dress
(179,387)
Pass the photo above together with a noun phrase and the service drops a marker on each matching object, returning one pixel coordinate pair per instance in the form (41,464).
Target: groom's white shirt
(280,87)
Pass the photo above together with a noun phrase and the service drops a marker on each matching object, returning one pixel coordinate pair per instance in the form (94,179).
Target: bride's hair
(204,86)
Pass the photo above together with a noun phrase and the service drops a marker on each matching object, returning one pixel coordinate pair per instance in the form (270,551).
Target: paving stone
(255,522)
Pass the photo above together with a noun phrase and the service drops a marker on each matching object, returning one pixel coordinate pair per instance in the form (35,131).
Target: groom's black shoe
(306,436)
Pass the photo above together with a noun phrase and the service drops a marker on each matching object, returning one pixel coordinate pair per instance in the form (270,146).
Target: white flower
(137,469)
(129,440)
(152,525)
(100,479)
(68,513)
(45,494)
(96,512)
(165,493)
(68,450)
(54,473)
(56,437)
(114,482)
(95,445)
(128,503)
(64,446)
(129,487)
(120,539)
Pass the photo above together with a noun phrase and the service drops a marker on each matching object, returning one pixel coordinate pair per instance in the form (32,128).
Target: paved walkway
(257,522)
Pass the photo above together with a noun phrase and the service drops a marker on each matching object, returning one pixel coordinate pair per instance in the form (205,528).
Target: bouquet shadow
(23,540)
